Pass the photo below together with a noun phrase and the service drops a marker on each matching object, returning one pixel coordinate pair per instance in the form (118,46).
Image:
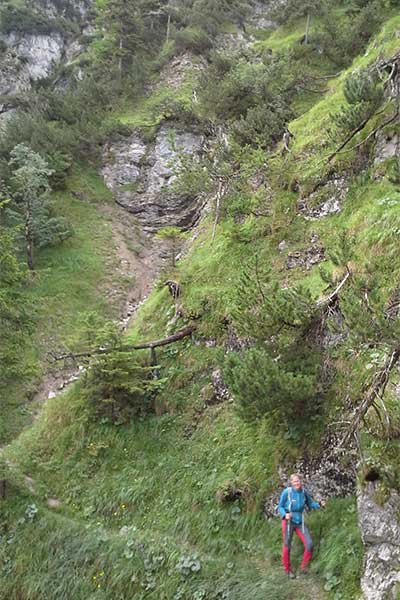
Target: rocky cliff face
(31,57)
(380,532)
(142,177)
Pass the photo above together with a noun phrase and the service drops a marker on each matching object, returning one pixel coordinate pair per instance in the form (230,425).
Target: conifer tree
(29,190)
(364,95)
(172,235)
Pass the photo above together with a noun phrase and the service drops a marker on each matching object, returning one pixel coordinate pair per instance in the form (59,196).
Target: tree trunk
(28,236)
(168,28)
(173,253)
(220,193)
(120,58)
(3,486)
(307,27)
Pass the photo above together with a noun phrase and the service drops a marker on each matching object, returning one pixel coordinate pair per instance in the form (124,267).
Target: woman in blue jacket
(292,503)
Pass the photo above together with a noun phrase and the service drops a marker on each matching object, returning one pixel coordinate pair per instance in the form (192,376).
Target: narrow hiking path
(137,261)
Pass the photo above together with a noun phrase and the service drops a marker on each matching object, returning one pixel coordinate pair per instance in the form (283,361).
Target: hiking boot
(290,575)
(303,572)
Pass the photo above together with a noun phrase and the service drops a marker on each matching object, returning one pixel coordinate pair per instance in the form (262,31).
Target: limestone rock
(142,176)
(221,391)
(386,146)
(325,201)
(380,533)
(306,258)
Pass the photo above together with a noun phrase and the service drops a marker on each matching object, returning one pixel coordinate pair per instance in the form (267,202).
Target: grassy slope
(154,480)
(67,282)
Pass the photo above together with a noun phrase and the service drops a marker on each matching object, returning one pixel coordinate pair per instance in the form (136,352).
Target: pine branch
(350,137)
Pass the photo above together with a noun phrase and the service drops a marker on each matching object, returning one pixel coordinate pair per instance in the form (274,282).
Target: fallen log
(179,335)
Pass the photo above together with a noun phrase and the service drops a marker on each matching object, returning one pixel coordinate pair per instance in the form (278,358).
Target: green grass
(161,487)
(157,479)
(68,281)
(150,111)
(312,144)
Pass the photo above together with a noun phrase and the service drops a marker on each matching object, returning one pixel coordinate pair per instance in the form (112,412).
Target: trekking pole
(319,538)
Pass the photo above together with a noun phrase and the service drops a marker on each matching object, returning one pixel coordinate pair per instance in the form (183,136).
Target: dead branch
(310,90)
(220,194)
(375,391)
(352,134)
(370,135)
(325,77)
(329,299)
(146,345)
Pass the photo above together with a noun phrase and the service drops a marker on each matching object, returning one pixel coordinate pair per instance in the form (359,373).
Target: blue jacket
(295,502)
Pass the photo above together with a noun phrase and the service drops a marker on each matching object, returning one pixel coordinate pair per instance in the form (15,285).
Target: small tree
(286,389)
(294,9)
(29,190)
(119,385)
(172,235)
(364,95)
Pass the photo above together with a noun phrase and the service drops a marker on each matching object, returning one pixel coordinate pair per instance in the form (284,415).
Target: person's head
(295,481)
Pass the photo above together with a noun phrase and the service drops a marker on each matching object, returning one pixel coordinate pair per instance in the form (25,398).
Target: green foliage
(16,312)
(364,96)
(118,385)
(341,40)
(172,235)
(29,189)
(263,125)
(193,39)
(284,389)
(24,19)
(207,14)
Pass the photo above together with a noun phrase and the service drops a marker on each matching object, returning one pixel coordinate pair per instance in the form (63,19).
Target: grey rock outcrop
(28,58)
(325,201)
(387,146)
(380,532)
(142,176)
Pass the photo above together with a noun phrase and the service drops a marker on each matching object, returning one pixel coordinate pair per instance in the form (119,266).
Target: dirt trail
(134,267)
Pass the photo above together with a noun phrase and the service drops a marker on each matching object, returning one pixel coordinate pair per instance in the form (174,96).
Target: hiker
(293,501)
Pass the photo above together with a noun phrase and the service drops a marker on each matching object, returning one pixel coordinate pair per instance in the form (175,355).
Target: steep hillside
(254,163)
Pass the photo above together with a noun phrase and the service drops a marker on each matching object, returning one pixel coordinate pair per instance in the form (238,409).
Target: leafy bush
(341,41)
(263,125)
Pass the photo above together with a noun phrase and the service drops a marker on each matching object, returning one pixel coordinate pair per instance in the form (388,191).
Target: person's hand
(288,516)
(322,503)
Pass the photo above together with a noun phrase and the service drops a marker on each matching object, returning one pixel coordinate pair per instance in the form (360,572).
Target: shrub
(25,20)
(286,389)
(120,387)
(193,39)
(263,125)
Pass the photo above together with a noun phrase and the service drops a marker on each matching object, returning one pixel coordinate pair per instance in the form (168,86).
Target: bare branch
(375,391)
(154,344)
(334,294)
